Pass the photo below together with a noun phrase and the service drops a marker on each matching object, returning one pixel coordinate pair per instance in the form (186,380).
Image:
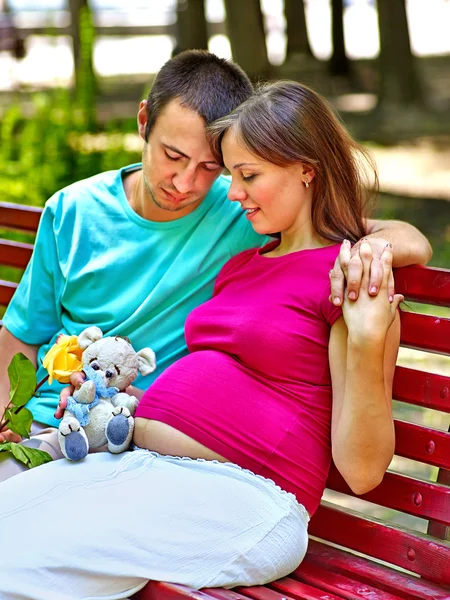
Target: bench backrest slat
(395,545)
(400,492)
(428,285)
(7,289)
(424,444)
(15,254)
(24,218)
(422,388)
(425,332)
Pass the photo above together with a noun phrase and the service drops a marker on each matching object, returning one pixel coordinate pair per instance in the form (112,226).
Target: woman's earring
(306,183)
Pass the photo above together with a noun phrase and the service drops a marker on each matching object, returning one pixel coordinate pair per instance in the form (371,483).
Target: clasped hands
(370,303)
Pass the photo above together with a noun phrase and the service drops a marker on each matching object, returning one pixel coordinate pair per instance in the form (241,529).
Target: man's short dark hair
(201,81)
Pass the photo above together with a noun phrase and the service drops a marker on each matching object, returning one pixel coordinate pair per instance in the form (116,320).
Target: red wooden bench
(352,554)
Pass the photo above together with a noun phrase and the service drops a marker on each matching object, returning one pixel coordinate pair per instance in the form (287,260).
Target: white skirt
(103,527)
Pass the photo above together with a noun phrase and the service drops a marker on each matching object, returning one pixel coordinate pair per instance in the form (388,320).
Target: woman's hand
(369,317)
(76,380)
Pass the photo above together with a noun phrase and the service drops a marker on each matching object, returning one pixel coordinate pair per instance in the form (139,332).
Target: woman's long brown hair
(285,123)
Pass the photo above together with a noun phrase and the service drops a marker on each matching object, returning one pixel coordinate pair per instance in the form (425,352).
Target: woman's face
(275,198)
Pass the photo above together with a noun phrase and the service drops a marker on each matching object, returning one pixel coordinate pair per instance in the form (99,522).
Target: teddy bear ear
(89,336)
(147,361)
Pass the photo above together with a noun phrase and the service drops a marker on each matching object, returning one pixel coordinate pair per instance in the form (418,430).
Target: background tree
(245,29)
(83,39)
(191,26)
(296,29)
(339,63)
(400,83)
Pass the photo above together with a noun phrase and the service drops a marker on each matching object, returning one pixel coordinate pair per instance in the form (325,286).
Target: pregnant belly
(162,438)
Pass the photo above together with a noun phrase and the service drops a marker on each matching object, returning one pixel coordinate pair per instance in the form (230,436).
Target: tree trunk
(245,28)
(339,63)
(400,83)
(191,26)
(83,39)
(296,30)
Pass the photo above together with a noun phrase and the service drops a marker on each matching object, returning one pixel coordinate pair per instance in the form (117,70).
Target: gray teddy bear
(100,412)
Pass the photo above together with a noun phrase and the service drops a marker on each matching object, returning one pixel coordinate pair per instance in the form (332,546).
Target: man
(133,251)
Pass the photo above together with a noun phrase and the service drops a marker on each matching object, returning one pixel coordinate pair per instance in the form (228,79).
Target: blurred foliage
(43,153)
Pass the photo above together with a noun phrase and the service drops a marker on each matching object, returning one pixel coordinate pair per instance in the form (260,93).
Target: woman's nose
(236,193)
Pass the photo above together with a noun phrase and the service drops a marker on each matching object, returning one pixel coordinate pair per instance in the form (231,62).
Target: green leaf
(31,457)
(20,422)
(22,378)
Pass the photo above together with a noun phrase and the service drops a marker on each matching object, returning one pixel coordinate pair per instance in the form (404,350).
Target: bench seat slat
(422,388)
(302,590)
(400,492)
(223,594)
(403,584)
(334,583)
(424,444)
(391,543)
(157,590)
(425,332)
(24,218)
(427,285)
(15,254)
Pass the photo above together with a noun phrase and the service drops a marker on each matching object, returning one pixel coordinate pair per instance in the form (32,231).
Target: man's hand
(348,268)
(76,380)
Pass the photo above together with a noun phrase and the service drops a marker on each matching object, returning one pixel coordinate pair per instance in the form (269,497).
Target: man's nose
(184,180)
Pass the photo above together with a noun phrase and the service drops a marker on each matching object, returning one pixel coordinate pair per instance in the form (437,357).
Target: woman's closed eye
(249,177)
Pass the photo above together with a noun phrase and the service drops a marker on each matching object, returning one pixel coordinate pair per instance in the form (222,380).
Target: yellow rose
(63,358)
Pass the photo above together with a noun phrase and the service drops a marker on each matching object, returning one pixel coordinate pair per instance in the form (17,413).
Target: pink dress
(256,386)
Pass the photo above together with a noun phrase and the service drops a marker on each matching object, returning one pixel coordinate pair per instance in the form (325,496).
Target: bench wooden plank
(425,332)
(303,591)
(157,590)
(404,585)
(334,583)
(223,594)
(400,492)
(391,543)
(15,254)
(422,388)
(24,218)
(7,289)
(428,285)
(424,444)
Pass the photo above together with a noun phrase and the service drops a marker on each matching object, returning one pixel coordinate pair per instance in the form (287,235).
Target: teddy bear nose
(109,374)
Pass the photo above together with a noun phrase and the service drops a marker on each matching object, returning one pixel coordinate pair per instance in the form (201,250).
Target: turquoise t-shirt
(97,262)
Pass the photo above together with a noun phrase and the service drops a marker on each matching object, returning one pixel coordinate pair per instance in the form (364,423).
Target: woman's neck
(303,238)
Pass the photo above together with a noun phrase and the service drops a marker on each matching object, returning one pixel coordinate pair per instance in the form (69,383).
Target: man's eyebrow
(170,147)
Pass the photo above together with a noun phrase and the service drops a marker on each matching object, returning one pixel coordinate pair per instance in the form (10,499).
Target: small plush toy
(100,412)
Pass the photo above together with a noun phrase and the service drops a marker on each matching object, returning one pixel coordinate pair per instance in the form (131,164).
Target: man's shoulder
(85,192)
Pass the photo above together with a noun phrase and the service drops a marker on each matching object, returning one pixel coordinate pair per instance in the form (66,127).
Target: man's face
(177,163)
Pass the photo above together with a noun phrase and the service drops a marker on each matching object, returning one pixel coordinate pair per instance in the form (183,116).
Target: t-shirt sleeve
(34,313)
(330,312)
